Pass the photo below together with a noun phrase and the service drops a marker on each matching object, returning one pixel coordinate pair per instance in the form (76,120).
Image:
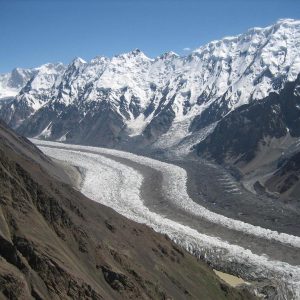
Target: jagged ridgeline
(131,98)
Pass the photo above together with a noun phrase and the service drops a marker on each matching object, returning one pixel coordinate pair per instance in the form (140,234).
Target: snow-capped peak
(38,89)
(50,68)
(12,83)
(288,21)
(78,61)
(134,54)
(168,55)
(136,51)
(99,59)
(213,80)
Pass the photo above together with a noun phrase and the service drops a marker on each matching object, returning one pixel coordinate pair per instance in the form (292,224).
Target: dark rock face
(238,135)
(159,124)
(97,123)
(40,121)
(55,243)
(285,179)
(116,280)
(15,112)
(215,112)
(93,123)
(102,127)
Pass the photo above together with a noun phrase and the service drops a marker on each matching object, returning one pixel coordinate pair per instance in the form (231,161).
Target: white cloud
(187,49)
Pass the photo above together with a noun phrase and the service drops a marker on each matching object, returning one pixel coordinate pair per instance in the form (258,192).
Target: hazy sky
(33,32)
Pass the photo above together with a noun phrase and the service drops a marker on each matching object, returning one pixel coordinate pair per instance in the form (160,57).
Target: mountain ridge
(147,98)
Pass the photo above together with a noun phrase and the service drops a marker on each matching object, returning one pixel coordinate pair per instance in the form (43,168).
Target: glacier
(118,186)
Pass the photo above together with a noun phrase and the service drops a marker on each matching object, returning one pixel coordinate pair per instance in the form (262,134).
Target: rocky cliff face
(57,244)
(285,180)
(261,138)
(133,97)
(237,136)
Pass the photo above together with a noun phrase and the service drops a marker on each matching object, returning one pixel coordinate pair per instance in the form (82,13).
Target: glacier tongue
(120,188)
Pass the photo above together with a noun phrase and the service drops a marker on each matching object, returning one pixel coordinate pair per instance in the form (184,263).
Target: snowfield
(118,186)
(214,79)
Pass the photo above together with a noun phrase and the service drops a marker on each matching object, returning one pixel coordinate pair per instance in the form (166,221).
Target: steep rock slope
(131,97)
(286,178)
(237,137)
(261,136)
(57,244)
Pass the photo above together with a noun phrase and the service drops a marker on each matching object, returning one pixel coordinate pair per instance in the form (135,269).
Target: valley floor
(171,200)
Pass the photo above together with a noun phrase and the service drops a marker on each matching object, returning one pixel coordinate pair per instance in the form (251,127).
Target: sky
(34,32)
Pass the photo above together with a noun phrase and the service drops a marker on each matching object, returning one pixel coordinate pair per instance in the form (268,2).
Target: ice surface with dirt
(118,186)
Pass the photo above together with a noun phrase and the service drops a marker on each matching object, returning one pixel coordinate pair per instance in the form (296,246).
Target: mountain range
(225,101)
(232,105)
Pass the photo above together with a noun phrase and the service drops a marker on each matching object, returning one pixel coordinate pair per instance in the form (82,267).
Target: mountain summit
(163,101)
